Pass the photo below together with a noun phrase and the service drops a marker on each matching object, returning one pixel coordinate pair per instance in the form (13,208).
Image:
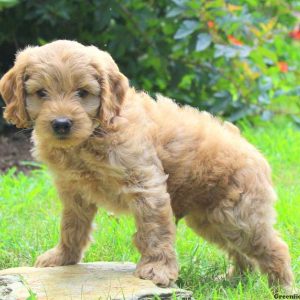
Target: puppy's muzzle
(61,127)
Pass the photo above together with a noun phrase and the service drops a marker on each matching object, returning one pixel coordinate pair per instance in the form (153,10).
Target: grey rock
(85,281)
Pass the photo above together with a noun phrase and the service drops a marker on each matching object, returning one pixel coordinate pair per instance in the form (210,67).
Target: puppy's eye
(82,93)
(41,93)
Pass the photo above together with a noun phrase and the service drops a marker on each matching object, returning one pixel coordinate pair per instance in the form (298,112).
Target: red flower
(283,66)
(211,24)
(234,41)
(295,34)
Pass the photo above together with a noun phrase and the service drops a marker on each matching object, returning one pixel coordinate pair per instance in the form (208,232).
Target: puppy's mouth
(61,137)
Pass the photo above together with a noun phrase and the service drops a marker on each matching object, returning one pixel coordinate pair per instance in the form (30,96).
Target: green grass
(30,214)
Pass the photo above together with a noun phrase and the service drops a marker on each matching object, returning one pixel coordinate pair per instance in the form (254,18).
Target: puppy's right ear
(12,92)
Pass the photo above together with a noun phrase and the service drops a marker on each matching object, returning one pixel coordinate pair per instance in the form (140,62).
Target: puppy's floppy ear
(113,84)
(12,92)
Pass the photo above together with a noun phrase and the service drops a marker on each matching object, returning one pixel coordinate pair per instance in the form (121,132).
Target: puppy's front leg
(155,237)
(76,225)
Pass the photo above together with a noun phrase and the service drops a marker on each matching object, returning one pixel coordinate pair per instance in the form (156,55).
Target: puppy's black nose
(62,126)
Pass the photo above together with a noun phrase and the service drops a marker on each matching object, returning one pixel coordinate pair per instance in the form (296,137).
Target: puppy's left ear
(12,92)
(113,85)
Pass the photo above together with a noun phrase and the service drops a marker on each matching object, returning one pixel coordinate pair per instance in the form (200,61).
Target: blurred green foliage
(233,58)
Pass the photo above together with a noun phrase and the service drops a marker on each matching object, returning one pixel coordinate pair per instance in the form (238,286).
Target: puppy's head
(64,90)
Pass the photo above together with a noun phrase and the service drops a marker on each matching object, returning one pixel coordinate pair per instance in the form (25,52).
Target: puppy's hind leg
(76,225)
(252,234)
(241,263)
(272,256)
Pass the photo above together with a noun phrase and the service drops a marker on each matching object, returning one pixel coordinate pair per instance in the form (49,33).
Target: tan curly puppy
(109,145)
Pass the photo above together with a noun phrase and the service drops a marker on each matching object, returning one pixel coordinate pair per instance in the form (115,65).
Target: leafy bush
(234,58)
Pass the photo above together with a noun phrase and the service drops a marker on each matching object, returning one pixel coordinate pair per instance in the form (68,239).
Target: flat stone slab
(85,281)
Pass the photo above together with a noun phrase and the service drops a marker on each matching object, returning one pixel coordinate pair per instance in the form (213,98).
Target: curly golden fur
(118,148)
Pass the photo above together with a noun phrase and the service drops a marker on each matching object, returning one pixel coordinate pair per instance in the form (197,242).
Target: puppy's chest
(92,175)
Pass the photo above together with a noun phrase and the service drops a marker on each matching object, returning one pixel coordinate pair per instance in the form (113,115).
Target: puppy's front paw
(160,273)
(55,257)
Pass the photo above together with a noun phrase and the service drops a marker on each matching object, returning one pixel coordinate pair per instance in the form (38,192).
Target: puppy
(111,146)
